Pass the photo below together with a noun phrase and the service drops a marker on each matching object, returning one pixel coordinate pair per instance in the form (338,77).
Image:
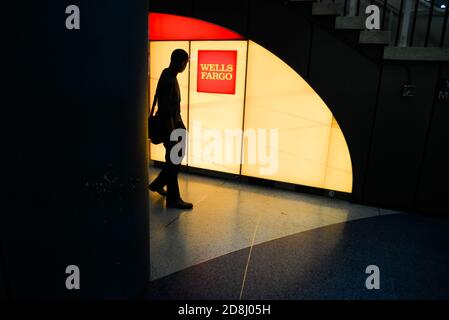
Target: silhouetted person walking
(169,109)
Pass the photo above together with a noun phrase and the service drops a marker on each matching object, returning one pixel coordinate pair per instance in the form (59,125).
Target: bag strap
(155,98)
(154,104)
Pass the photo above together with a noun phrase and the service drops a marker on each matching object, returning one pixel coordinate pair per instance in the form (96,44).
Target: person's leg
(173,196)
(172,175)
(161,180)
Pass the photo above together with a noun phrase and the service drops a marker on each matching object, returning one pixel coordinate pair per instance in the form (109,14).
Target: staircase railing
(421,23)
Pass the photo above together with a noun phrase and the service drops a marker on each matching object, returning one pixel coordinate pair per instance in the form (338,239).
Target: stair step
(374,37)
(327,9)
(352,23)
(416,53)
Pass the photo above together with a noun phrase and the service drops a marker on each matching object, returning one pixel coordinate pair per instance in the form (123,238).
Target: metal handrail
(402,17)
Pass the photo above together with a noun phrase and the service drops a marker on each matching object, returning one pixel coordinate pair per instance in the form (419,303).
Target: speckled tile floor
(230,216)
(325,263)
(244,241)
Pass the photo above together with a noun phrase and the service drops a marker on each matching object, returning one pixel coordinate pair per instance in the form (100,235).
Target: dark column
(3,290)
(77,115)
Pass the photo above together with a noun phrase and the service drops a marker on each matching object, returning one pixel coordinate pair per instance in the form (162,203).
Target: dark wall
(434,174)
(282,32)
(396,144)
(78,189)
(400,132)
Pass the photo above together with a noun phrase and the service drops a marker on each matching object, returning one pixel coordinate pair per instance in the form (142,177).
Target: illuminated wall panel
(160,53)
(215,111)
(339,167)
(278,98)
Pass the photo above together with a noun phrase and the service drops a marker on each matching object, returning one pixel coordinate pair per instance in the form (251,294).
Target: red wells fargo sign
(217,71)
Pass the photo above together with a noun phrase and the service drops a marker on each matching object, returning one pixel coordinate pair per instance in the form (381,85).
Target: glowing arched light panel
(312,149)
(268,95)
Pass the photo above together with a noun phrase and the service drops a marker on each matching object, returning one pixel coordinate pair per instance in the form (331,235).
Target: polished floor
(251,242)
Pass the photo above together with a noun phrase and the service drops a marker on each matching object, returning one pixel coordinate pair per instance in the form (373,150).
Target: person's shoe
(179,204)
(161,191)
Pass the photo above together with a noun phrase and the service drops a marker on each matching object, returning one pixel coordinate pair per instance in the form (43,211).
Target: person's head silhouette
(178,61)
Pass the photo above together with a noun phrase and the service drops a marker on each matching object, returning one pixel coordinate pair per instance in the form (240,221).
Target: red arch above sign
(171,27)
